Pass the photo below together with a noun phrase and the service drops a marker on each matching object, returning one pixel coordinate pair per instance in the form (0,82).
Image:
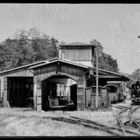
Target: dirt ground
(28,122)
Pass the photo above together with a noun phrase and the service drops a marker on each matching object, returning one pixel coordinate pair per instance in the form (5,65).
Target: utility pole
(97,79)
(96,50)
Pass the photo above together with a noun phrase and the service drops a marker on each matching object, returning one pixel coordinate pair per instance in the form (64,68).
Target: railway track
(109,130)
(132,119)
(113,131)
(131,122)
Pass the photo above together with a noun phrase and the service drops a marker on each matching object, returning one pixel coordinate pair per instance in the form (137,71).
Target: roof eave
(60,60)
(18,68)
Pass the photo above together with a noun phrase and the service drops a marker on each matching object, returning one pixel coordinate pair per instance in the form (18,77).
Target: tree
(108,63)
(26,47)
(97,44)
(105,60)
(62,43)
(134,77)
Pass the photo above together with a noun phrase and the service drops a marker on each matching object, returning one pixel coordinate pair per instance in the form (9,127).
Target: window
(63,54)
(63,90)
(67,54)
(76,54)
(81,55)
(63,94)
(112,89)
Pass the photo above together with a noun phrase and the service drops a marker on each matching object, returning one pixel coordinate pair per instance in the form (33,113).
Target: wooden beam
(97,79)
(108,76)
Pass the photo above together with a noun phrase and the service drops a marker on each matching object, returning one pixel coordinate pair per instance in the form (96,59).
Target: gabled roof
(56,59)
(79,65)
(60,60)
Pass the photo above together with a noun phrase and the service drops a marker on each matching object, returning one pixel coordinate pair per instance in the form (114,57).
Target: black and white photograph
(69,70)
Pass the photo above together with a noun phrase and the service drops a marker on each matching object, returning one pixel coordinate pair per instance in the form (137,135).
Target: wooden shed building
(67,82)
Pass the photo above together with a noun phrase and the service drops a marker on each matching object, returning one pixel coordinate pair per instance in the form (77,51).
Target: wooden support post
(97,82)
(81,94)
(37,94)
(84,92)
(39,97)
(5,91)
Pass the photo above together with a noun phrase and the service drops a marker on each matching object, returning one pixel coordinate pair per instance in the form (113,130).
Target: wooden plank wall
(76,53)
(72,71)
(39,97)
(5,92)
(81,94)
(0,89)
(103,98)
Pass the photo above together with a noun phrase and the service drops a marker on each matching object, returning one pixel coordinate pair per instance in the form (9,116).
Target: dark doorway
(20,91)
(58,95)
(74,95)
(48,90)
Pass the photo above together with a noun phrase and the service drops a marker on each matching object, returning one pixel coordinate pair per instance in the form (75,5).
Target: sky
(115,26)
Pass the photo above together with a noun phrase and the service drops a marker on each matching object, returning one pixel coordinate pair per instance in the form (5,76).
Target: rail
(132,122)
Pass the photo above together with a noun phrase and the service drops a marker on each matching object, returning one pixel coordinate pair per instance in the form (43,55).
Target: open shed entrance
(20,91)
(59,93)
(113,94)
